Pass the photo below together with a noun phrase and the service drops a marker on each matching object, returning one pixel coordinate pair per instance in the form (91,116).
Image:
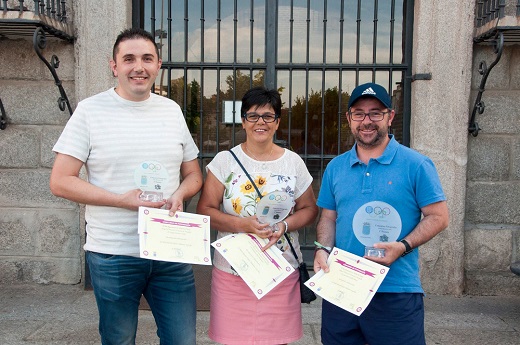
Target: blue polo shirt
(401,180)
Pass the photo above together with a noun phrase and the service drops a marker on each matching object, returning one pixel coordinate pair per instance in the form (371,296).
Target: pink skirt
(237,317)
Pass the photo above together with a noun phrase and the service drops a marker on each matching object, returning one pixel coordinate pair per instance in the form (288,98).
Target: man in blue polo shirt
(374,196)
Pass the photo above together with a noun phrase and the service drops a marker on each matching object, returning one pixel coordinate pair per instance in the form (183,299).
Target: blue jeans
(169,288)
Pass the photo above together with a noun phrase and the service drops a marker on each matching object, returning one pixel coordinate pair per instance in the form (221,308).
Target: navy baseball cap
(371,90)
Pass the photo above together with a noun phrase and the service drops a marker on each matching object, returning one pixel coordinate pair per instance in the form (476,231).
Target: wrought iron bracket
(39,43)
(421,76)
(479,107)
(3,116)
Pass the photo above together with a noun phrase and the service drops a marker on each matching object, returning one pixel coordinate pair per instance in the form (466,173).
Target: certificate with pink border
(260,270)
(351,282)
(185,237)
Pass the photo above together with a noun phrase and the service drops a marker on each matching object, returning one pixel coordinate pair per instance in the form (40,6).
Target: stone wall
(39,234)
(492,219)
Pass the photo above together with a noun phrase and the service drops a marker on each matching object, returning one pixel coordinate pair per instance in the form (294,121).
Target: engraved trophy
(274,207)
(376,222)
(150,177)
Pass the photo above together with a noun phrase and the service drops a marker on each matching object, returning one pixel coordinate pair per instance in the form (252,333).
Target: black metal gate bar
(408,6)
(374,38)
(271,42)
(391,50)
(340,80)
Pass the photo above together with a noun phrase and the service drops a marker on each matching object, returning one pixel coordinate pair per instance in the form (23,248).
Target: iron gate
(313,51)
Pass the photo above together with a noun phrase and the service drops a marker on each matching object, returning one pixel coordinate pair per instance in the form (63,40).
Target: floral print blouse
(287,173)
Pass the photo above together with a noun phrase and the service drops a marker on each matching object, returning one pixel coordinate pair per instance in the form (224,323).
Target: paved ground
(65,314)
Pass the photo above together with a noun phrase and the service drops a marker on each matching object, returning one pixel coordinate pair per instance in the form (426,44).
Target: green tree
(192,112)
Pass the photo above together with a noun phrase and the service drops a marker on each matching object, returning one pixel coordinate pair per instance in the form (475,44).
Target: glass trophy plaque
(376,222)
(151,177)
(274,207)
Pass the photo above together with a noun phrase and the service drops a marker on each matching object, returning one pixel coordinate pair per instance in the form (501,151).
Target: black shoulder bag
(307,295)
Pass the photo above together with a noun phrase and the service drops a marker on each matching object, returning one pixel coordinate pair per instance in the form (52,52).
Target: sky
(248,35)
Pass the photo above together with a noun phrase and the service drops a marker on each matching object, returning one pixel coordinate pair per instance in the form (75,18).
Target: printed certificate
(351,282)
(261,271)
(181,238)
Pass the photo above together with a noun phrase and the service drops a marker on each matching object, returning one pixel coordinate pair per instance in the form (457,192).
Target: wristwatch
(408,248)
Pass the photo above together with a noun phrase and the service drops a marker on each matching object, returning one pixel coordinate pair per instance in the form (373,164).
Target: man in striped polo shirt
(130,140)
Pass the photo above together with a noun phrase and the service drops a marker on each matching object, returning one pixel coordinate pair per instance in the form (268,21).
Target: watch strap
(408,248)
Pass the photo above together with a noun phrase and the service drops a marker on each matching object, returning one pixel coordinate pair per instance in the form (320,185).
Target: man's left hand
(393,251)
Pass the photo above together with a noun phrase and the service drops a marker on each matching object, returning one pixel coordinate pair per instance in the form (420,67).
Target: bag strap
(247,174)
(260,196)
(292,248)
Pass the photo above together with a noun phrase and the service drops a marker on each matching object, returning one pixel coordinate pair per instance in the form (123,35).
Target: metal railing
(20,20)
(55,9)
(489,10)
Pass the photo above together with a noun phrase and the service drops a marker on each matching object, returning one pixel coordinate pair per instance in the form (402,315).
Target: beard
(381,134)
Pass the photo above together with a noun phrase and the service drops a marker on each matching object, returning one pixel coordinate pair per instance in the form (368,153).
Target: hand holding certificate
(181,238)
(260,270)
(351,282)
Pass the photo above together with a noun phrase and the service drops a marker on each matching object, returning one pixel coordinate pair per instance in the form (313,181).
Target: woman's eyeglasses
(267,117)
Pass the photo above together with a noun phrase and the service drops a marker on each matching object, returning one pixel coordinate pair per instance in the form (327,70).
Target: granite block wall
(39,233)
(492,218)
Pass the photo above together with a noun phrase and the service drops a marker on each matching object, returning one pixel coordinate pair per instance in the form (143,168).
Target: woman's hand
(277,231)
(253,226)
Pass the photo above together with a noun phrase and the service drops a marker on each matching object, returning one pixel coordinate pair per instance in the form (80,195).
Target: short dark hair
(260,96)
(132,34)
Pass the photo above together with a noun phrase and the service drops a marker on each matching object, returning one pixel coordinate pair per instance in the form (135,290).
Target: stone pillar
(97,26)
(443,32)
(97,23)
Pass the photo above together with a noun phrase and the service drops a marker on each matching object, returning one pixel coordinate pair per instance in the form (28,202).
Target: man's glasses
(267,117)
(374,116)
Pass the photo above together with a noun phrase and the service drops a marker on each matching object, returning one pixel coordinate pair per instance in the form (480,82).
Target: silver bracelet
(286,226)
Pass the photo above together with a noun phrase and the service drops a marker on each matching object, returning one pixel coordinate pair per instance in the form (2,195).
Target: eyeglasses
(375,116)
(267,117)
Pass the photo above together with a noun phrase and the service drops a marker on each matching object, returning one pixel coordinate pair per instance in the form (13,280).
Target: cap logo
(368,91)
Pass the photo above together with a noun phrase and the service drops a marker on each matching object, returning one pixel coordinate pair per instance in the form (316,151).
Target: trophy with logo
(150,177)
(375,222)
(274,207)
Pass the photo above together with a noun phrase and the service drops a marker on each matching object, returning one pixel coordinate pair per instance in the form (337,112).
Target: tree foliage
(319,114)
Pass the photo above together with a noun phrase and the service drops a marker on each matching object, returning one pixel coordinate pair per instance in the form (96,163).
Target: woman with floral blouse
(229,198)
